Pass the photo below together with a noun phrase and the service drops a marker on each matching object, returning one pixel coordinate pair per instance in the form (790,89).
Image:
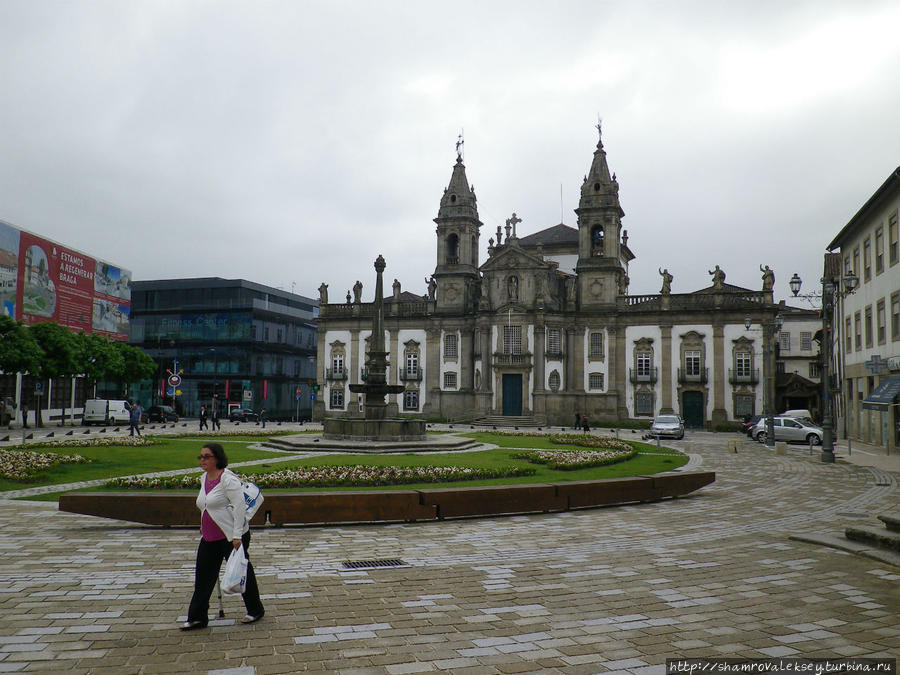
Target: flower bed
(100,442)
(337,476)
(584,440)
(568,460)
(22,465)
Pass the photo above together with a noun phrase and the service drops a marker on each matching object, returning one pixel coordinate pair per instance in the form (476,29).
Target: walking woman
(223,527)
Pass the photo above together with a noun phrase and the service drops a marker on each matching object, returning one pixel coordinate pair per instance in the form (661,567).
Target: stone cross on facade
(512,222)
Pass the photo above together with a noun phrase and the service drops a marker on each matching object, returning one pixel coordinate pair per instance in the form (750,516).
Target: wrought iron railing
(700,376)
(743,376)
(644,375)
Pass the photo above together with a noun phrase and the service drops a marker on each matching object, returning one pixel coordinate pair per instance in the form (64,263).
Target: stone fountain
(375,425)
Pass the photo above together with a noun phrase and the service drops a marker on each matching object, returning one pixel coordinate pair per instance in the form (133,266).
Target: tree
(99,359)
(138,366)
(60,348)
(19,351)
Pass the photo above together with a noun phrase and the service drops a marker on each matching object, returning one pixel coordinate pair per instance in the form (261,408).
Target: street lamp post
(831,286)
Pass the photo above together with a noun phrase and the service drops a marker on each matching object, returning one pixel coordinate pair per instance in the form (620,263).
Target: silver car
(790,429)
(667,426)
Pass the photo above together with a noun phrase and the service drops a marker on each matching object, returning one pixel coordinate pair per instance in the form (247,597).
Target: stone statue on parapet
(718,278)
(667,282)
(396,288)
(432,288)
(323,294)
(768,278)
(357,292)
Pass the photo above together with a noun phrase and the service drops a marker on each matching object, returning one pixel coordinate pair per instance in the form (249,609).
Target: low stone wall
(286,508)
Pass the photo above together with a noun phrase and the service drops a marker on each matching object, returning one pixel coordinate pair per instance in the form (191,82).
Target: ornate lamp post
(841,286)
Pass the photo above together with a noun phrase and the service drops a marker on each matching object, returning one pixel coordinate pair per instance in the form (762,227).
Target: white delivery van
(105,411)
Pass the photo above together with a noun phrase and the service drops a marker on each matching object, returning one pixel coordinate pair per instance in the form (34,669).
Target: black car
(161,413)
(242,415)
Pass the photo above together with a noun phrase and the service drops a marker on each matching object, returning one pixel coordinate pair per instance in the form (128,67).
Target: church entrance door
(692,408)
(512,395)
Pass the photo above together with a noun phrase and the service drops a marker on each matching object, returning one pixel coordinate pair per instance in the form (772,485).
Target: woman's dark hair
(219,452)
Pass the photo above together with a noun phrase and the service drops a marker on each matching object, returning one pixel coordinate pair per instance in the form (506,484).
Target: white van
(105,411)
(797,414)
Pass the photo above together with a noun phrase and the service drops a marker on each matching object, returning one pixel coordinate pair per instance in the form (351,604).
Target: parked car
(243,415)
(750,422)
(788,429)
(161,413)
(667,426)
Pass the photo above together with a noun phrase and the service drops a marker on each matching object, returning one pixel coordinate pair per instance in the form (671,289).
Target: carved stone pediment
(513,258)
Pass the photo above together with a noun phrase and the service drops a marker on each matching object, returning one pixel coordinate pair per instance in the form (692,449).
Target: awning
(883,395)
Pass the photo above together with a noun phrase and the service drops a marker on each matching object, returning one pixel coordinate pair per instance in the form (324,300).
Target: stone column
(539,359)
(570,359)
(466,359)
(665,375)
(719,415)
(487,353)
(618,352)
(578,360)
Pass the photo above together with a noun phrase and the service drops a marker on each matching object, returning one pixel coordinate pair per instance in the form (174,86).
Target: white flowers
(21,465)
(337,476)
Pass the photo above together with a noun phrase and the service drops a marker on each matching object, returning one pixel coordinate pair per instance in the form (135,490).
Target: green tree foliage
(60,347)
(99,359)
(138,366)
(19,351)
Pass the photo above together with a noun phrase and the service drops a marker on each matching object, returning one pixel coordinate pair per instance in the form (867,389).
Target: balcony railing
(335,373)
(647,375)
(693,377)
(411,375)
(501,359)
(744,376)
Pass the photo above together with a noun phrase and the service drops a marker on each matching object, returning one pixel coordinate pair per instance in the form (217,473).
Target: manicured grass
(112,461)
(181,453)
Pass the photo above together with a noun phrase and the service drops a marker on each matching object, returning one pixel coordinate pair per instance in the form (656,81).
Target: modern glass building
(233,344)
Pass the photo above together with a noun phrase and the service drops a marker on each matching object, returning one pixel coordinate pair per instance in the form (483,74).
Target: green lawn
(179,453)
(112,461)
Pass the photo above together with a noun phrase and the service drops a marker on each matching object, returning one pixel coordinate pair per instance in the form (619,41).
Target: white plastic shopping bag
(235,580)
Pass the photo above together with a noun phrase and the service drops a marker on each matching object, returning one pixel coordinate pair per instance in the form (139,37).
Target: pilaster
(665,367)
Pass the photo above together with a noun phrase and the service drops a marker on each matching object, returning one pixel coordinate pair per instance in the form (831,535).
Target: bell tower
(601,273)
(456,272)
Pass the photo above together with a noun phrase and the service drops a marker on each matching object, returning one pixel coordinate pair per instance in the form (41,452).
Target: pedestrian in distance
(223,528)
(214,418)
(203,416)
(134,419)
(585,425)
(24,415)
(577,420)
(262,417)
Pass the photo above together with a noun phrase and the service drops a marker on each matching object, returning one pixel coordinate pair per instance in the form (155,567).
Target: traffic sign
(312,397)
(299,392)
(174,380)
(39,388)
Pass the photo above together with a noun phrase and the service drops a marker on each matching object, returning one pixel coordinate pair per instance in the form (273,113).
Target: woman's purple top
(208,528)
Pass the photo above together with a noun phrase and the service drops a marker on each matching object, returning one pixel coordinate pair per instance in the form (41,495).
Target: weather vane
(459,144)
(599,124)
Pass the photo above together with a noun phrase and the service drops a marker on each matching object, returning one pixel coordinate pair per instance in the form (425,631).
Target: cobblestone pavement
(604,590)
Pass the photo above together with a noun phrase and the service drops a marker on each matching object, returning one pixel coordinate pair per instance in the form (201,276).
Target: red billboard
(41,280)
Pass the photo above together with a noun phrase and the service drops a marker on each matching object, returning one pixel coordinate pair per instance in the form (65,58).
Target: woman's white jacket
(225,504)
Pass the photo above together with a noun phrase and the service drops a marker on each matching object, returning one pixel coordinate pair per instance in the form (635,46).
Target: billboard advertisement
(41,280)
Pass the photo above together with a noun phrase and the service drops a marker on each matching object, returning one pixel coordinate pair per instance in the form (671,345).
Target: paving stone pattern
(616,589)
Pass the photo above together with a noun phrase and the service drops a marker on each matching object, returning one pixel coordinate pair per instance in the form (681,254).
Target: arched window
(597,240)
(453,249)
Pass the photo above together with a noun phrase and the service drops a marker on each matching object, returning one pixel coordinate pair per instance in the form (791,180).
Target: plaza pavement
(615,589)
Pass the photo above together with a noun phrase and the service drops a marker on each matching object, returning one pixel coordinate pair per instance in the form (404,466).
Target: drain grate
(360,564)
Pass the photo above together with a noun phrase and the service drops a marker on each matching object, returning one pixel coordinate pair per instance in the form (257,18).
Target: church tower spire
(457,240)
(601,272)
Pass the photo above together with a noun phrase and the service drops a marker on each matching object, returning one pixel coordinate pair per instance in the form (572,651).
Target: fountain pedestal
(376,425)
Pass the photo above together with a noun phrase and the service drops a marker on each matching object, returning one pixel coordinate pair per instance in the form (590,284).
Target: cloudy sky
(290,143)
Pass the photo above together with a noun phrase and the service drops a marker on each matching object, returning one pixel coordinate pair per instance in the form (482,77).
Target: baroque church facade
(545,328)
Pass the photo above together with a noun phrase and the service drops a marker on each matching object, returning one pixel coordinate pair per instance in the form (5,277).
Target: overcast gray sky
(290,143)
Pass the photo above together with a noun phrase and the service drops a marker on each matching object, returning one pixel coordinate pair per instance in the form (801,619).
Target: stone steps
(878,543)
(512,421)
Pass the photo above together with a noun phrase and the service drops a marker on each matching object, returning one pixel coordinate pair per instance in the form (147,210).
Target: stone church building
(545,327)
